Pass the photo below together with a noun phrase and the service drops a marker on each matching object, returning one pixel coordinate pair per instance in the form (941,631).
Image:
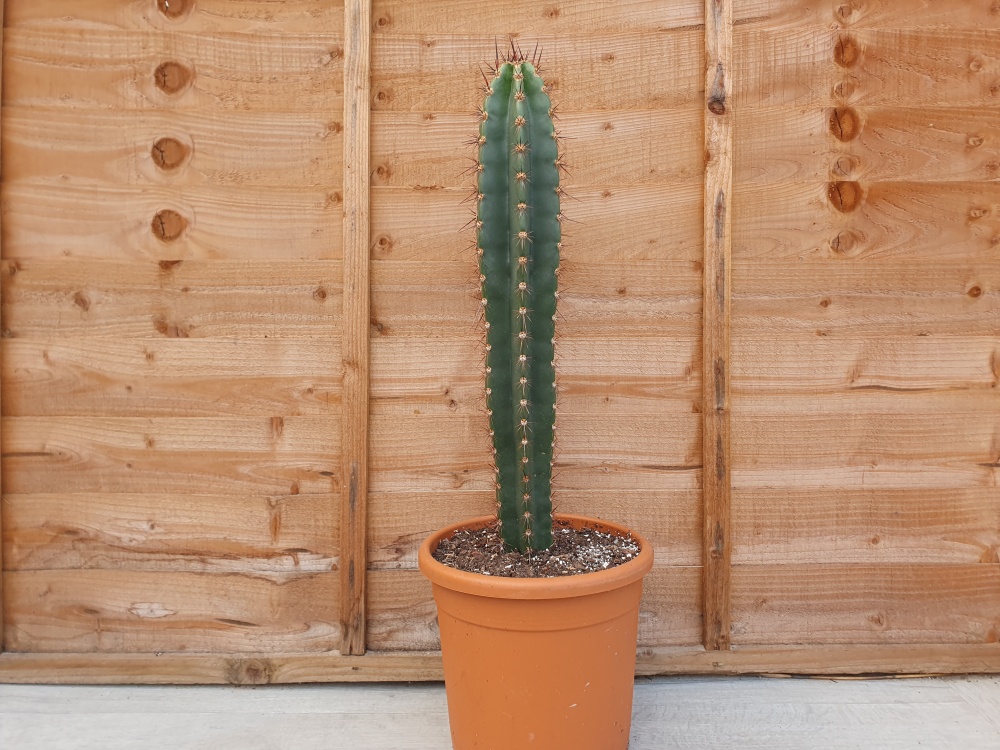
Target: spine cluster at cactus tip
(518,239)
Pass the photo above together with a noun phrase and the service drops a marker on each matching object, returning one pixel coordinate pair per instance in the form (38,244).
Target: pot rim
(561,587)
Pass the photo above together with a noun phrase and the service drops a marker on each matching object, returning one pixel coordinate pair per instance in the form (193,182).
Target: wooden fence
(241,369)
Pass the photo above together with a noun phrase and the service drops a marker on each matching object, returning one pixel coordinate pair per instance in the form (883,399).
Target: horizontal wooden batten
(247,535)
(288,668)
(403,615)
(669,519)
(661,222)
(627,69)
(899,221)
(822,525)
(941,68)
(866,603)
(124,611)
(604,149)
(112,69)
(53,220)
(180,149)
(871,144)
(469,18)
(213,455)
(260,17)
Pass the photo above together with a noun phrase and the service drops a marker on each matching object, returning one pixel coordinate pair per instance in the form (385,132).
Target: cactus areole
(517,242)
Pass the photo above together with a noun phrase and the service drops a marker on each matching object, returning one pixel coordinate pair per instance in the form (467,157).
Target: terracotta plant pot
(543,663)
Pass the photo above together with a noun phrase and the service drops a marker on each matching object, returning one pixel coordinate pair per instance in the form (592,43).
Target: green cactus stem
(518,242)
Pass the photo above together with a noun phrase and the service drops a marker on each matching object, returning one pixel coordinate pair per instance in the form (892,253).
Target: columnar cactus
(518,237)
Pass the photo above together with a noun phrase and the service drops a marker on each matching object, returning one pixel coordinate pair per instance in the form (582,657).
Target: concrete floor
(960,713)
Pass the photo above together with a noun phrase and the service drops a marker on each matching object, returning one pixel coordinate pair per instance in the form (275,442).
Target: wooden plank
(885,221)
(66,297)
(887,14)
(55,220)
(127,611)
(356,325)
(868,526)
(824,363)
(853,604)
(421,453)
(604,148)
(716,369)
(579,19)
(260,17)
(798,68)
(624,70)
(188,455)
(403,615)
(400,521)
(436,299)
(254,669)
(258,535)
(171,377)
(112,69)
(871,144)
(181,149)
(641,223)
(3,299)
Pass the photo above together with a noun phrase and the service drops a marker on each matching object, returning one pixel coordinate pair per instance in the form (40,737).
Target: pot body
(543,663)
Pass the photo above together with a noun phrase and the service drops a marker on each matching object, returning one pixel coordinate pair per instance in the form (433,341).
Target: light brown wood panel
(577,19)
(403,612)
(241,149)
(203,16)
(208,455)
(595,376)
(111,69)
(427,453)
(52,220)
(248,535)
(603,149)
(429,299)
(625,70)
(868,299)
(911,221)
(798,67)
(127,611)
(830,603)
(889,14)
(873,526)
(62,297)
(824,363)
(972,402)
(647,222)
(400,521)
(170,377)
(871,144)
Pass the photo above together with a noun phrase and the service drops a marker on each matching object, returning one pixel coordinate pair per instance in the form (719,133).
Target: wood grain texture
(100,298)
(885,14)
(716,303)
(247,535)
(357,316)
(109,69)
(609,71)
(50,220)
(662,223)
(2,358)
(274,149)
(188,455)
(879,526)
(261,17)
(127,611)
(403,615)
(852,604)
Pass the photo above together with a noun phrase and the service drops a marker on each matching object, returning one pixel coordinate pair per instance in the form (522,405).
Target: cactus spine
(518,241)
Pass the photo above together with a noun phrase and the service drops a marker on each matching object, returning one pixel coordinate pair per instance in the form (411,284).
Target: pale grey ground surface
(960,713)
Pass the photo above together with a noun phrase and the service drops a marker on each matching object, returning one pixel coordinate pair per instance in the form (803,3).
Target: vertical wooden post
(716,320)
(356,324)
(2,25)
